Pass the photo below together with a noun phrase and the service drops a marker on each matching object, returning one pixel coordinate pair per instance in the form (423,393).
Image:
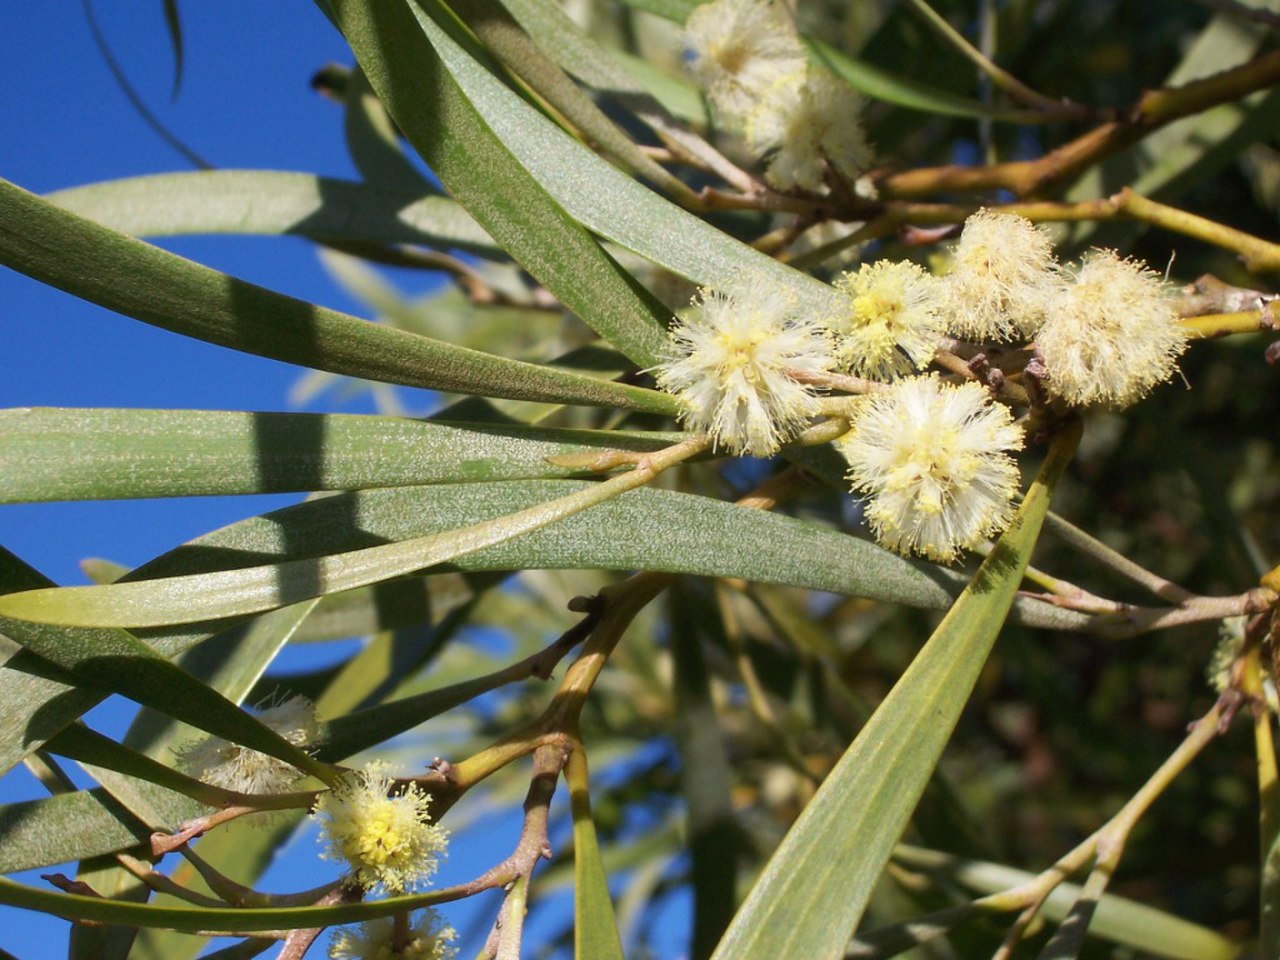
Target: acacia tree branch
(1153,110)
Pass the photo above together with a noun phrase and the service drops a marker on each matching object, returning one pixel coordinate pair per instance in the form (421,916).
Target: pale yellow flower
(1112,334)
(388,841)
(429,939)
(1002,279)
(805,121)
(935,464)
(738,49)
(888,321)
(729,367)
(230,766)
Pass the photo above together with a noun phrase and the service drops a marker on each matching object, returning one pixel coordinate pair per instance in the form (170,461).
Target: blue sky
(244,103)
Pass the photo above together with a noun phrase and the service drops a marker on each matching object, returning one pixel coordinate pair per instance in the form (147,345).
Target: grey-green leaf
(472,160)
(142,281)
(55,454)
(813,891)
(643,529)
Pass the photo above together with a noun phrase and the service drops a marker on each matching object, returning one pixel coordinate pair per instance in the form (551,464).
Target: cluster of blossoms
(427,938)
(230,766)
(387,838)
(748,59)
(933,459)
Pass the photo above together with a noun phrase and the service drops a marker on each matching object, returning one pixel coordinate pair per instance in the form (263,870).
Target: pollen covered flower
(388,841)
(1112,334)
(222,763)
(738,49)
(934,461)
(805,121)
(428,939)
(1002,278)
(729,366)
(889,320)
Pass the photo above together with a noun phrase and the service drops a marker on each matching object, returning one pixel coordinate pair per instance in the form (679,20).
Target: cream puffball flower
(935,464)
(1002,278)
(428,939)
(805,121)
(388,841)
(740,48)
(230,766)
(889,320)
(729,367)
(1112,334)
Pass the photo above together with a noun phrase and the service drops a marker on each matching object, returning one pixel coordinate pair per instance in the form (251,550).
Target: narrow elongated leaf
(276,202)
(74,906)
(595,929)
(1117,919)
(374,143)
(472,161)
(54,454)
(230,593)
(904,91)
(86,823)
(230,663)
(37,698)
(502,34)
(815,887)
(629,79)
(705,781)
(643,529)
(139,280)
(112,660)
(600,197)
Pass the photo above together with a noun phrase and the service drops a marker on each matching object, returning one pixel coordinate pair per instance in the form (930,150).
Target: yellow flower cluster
(933,460)
(387,839)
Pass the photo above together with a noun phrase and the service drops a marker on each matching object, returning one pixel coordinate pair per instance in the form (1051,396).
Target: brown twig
(1154,109)
(1208,295)
(298,942)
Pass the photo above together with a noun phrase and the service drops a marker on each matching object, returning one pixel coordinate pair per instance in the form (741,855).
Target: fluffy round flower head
(739,48)
(805,121)
(1002,278)
(1112,334)
(388,841)
(729,367)
(429,939)
(934,461)
(888,321)
(233,767)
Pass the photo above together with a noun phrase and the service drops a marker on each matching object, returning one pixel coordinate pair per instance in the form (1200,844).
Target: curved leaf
(812,893)
(374,143)
(644,529)
(142,281)
(1117,919)
(97,454)
(499,30)
(113,660)
(275,202)
(904,91)
(231,593)
(600,197)
(472,160)
(595,929)
(74,906)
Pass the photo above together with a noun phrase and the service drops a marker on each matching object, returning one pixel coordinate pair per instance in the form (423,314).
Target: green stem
(1006,81)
